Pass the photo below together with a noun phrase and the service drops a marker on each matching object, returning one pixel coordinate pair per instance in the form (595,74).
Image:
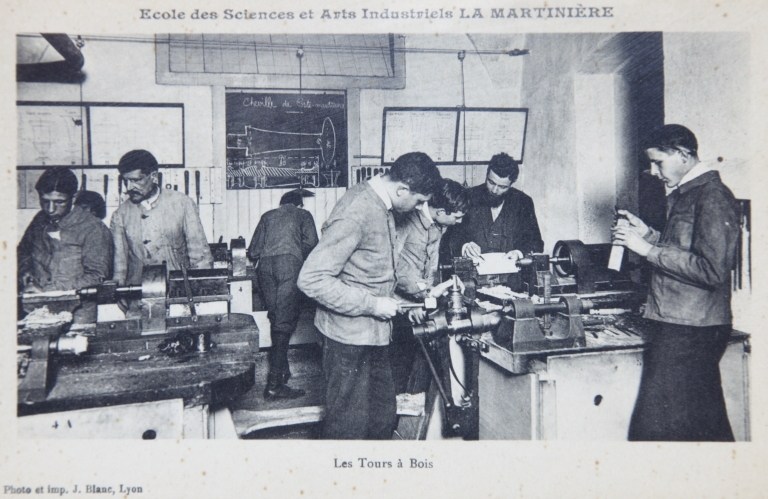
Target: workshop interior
(237,121)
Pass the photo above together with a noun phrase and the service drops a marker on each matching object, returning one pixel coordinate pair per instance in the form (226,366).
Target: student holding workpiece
(689,299)
(351,274)
(418,236)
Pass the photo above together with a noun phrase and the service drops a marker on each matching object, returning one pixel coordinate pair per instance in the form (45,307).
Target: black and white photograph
(368,250)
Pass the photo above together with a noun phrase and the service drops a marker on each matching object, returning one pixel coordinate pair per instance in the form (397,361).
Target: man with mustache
(155,225)
(500,218)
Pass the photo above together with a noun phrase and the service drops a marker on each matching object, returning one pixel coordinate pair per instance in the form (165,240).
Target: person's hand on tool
(441,288)
(417,315)
(629,220)
(386,308)
(123,304)
(514,255)
(31,287)
(28,284)
(472,250)
(627,236)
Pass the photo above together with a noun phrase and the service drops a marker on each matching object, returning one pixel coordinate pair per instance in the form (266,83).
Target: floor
(306,367)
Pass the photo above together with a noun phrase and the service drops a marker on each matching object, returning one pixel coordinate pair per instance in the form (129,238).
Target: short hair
(292,197)
(417,171)
(669,138)
(138,159)
(451,197)
(59,179)
(504,166)
(93,202)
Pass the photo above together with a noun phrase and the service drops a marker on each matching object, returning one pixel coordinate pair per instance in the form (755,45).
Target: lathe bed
(128,375)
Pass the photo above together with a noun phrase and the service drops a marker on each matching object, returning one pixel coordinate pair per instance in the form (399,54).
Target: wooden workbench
(126,370)
(585,393)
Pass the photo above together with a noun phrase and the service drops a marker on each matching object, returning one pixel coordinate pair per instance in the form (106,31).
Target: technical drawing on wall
(286,140)
(50,135)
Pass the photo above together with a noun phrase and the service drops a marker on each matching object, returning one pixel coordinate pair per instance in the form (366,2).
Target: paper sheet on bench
(496,263)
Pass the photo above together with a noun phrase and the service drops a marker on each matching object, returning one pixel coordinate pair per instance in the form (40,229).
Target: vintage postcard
(281,239)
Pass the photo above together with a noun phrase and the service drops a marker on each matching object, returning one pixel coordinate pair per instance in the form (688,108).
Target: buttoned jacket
(352,265)
(693,258)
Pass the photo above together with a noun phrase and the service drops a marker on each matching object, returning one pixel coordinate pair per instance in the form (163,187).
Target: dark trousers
(403,351)
(277,279)
(360,398)
(681,397)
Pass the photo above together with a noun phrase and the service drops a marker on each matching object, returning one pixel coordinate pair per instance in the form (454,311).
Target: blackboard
(281,138)
(440,133)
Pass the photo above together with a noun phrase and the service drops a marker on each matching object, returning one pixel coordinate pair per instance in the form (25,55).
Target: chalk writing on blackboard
(281,139)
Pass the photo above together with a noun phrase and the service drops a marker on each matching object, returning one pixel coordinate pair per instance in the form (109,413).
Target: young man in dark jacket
(689,301)
(64,247)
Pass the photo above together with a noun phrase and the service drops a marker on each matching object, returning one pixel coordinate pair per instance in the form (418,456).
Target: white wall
(572,135)
(434,80)
(124,71)
(707,89)
(603,175)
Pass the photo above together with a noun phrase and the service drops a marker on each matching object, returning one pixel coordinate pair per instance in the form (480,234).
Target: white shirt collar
(147,203)
(427,214)
(377,184)
(700,169)
(495,211)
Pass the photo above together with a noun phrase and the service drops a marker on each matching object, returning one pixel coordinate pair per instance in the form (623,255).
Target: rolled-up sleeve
(319,278)
(711,257)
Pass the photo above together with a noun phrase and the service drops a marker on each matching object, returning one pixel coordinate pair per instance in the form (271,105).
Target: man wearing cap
(155,225)
(64,247)
(282,240)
